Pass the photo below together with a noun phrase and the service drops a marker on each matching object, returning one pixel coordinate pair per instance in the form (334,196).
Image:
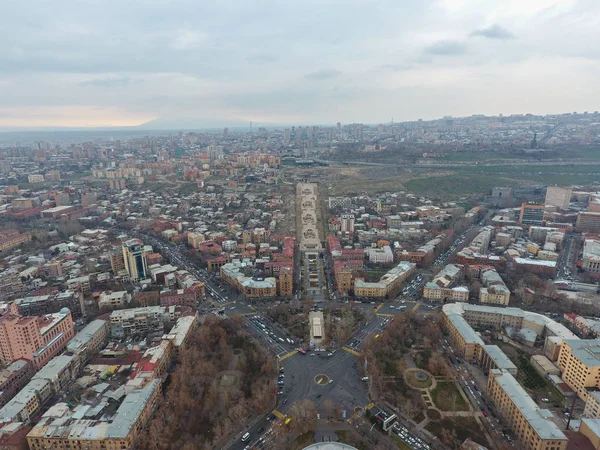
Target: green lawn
(465,427)
(447,397)
(532,380)
(449,186)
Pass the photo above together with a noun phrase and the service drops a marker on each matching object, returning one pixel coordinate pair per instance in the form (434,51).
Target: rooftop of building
(12,368)
(180,330)
(58,208)
(465,330)
(500,358)
(535,262)
(97,416)
(81,339)
(585,350)
(539,419)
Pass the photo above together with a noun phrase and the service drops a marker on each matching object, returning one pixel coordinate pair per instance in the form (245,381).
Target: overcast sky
(125,62)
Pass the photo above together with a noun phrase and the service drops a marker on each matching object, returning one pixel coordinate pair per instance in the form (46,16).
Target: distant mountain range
(160,124)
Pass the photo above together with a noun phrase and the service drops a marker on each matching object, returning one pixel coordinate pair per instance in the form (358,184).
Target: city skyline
(310,63)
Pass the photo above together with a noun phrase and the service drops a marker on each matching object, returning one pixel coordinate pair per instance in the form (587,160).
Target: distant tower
(534,141)
(251,127)
(225,132)
(339,126)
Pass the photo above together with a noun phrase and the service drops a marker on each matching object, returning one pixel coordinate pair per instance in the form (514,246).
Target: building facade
(532,426)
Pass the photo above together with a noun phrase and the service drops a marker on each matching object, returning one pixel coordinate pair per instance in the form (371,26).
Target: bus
(302,351)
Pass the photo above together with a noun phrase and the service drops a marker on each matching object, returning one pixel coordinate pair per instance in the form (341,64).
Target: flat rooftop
(539,419)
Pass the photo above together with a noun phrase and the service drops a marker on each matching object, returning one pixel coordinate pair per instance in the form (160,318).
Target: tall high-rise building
(558,196)
(135,259)
(286,282)
(34,338)
(347,221)
(215,152)
(531,214)
(225,132)
(339,126)
(286,136)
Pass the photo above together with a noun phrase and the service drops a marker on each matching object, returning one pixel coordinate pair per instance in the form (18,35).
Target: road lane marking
(385,315)
(416,307)
(349,350)
(248,314)
(278,414)
(287,355)
(379,307)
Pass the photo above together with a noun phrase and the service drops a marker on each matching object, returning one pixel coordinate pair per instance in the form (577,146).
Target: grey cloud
(324,74)
(107,82)
(446,48)
(262,58)
(493,32)
(397,67)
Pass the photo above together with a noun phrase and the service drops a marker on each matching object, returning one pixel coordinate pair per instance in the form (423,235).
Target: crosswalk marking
(385,315)
(287,355)
(416,306)
(349,350)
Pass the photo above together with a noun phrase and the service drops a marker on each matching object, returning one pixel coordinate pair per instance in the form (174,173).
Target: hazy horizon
(120,64)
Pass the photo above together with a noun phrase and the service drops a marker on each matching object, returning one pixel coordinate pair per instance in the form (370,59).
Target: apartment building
(347,223)
(13,377)
(286,282)
(250,287)
(89,340)
(11,285)
(117,263)
(47,304)
(494,290)
(559,197)
(388,285)
(138,321)
(440,287)
(592,405)
(381,255)
(579,362)
(591,256)
(492,357)
(10,239)
(532,425)
(531,214)
(588,222)
(113,300)
(34,338)
(481,242)
(525,325)
(64,428)
(464,340)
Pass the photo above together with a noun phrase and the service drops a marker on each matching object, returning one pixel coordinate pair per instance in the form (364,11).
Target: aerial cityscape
(333,225)
(425,284)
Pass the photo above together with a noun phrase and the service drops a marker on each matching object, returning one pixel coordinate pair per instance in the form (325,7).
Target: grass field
(459,184)
(465,427)
(447,397)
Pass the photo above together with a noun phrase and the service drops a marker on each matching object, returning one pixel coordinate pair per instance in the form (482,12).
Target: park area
(447,397)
